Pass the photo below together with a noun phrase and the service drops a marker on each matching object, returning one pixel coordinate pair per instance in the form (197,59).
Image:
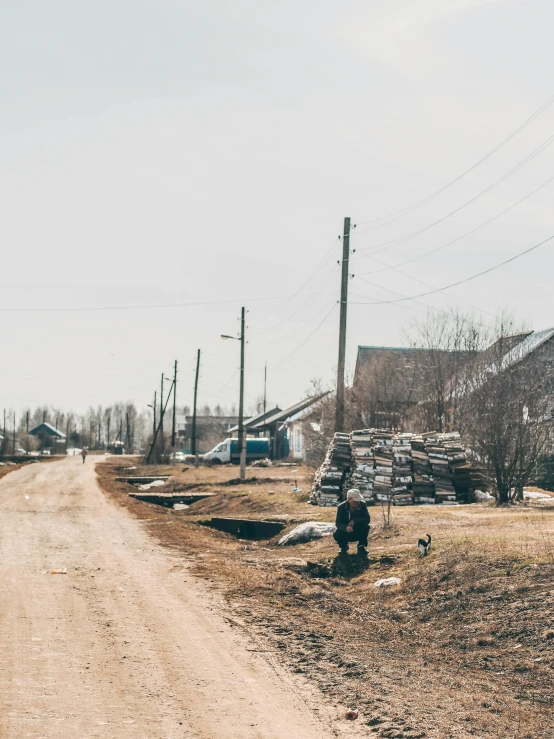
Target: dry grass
(463,648)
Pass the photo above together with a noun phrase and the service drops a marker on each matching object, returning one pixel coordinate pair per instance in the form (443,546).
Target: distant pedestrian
(84,454)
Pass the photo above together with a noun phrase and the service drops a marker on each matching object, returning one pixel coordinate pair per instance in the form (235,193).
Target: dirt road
(126,644)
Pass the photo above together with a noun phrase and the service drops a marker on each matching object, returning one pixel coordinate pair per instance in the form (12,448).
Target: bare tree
(506,405)
(448,344)
(385,390)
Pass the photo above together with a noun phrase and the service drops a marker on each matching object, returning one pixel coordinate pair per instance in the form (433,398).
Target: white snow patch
(306,532)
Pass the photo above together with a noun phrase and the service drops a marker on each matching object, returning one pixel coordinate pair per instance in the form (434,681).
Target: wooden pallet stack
(435,445)
(459,467)
(383,451)
(423,486)
(402,471)
(398,468)
(362,469)
(329,482)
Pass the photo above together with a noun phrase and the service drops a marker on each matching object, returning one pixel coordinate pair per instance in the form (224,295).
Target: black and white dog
(424,546)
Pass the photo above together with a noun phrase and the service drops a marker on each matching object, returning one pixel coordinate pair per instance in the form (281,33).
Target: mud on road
(126,643)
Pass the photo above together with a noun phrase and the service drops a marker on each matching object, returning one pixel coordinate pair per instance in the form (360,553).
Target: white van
(227,451)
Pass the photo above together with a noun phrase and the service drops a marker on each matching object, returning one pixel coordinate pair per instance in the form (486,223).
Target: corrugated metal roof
(250,422)
(526,347)
(394,348)
(288,412)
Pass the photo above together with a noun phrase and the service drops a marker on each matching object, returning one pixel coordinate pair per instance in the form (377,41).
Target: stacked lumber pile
(398,468)
(329,480)
(383,451)
(402,470)
(444,486)
(423,486)
(362,475)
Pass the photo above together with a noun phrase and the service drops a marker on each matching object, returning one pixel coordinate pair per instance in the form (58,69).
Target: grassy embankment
(463,648)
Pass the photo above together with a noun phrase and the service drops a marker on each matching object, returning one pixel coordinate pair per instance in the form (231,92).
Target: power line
(375,284)
(461,282)
(454,241)
(312,275)
(394,242)
(398,214)
(421,282)
(305,341)
(143,306)
(328,276)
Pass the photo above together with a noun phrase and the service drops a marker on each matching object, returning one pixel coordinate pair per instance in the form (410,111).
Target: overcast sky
(181,152)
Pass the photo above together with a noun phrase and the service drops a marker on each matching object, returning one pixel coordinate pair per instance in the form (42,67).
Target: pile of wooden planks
(401,469)
(330,478)
(362,467)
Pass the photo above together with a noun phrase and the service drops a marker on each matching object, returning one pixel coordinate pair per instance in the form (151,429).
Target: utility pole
(174,427)
(162,415)
(67,433)
(242,439)
(265,388)
(4,440)
(13,446)
(108,422)
(162,412)
(339,413)
(27,421)
(193,449)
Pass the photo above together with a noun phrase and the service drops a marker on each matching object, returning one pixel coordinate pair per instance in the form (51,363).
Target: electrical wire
(467,279)
(327,279)
(398,214)
(65,309)
(394,242)
(305,341)
(306,282)
(426,305)
(454,241)
(426,284)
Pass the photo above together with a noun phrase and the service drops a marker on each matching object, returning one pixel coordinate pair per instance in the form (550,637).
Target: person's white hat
(354,494)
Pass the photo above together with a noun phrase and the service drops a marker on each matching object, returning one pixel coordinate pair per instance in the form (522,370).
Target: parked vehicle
(227,451)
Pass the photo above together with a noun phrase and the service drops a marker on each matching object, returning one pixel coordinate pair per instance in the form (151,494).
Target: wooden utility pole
(154,414)
(174,424)
(27,421)
(242,439)
(339,413)
(108,422)
(265,388)
(193,449)
(13,445)
(162,414)
(159,426)
(67,433)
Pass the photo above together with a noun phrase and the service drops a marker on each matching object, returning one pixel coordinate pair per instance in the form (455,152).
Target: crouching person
(352,523)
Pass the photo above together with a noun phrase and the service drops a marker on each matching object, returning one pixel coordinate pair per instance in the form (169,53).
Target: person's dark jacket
(345,514)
